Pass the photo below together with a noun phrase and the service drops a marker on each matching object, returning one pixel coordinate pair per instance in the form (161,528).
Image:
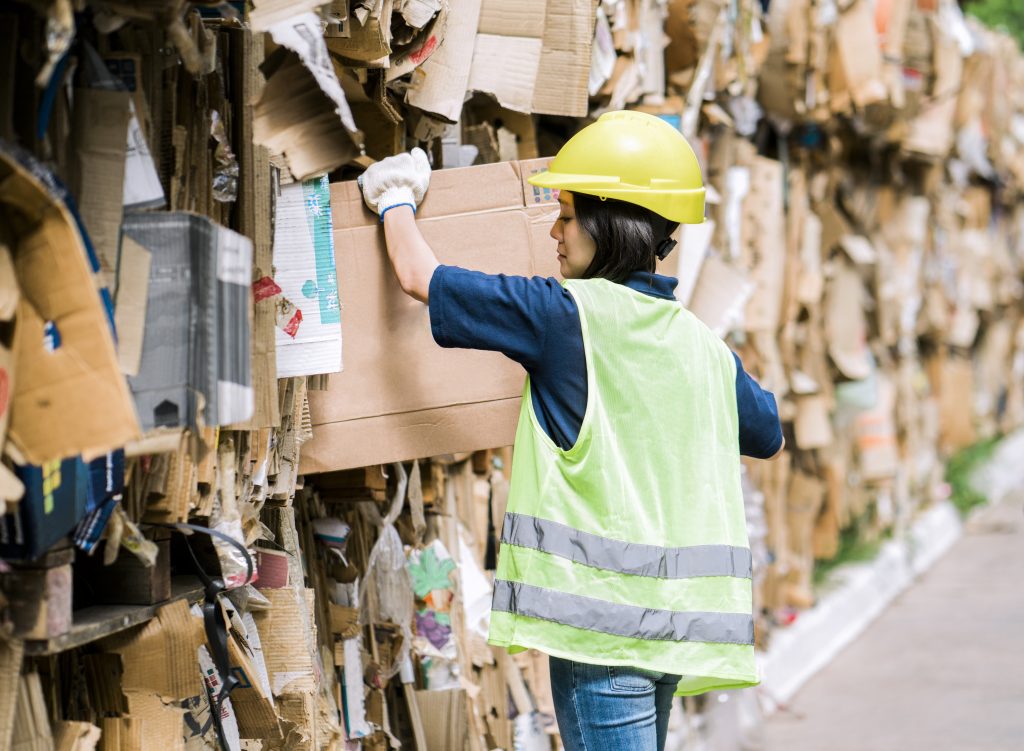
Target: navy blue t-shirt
(534,321)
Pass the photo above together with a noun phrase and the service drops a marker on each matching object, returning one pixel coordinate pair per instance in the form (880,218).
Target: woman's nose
(556,231)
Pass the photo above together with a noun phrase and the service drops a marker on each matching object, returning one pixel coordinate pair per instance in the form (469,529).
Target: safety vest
(631,548)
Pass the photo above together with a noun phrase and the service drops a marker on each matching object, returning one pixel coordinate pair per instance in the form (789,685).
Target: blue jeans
(603,708)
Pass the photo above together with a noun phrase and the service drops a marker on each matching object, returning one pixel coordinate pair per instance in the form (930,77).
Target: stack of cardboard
(863,254)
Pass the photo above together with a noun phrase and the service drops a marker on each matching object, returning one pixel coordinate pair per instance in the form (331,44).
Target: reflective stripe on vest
(625,557)
(630,547)
(621,620)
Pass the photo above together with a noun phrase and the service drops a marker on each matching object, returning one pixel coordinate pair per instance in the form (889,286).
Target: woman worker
(624,550)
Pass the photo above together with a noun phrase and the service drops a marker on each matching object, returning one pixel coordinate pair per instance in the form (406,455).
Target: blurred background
(863,254)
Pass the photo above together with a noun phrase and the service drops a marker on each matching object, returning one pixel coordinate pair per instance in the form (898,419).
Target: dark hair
(626,236)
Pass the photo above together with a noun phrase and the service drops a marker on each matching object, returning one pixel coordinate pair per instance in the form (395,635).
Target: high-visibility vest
(630,548)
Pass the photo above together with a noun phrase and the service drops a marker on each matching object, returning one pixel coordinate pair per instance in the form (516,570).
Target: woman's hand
(400,180)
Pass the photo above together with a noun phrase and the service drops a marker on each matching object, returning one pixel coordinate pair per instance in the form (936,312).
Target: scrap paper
(309,313)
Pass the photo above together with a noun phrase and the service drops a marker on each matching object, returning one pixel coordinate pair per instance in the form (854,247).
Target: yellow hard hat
(632,157)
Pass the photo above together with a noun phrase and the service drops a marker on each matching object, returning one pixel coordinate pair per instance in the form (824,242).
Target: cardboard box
(534,56)
(56,495)
(401,396)
(162,656)
(68,372)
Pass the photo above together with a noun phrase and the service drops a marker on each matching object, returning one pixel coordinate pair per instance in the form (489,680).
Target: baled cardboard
(98,168)
(846,325)
(401,396)
(302,111)
(285,641)
(860,54)
(306,284)
(439,85)
(251,698)
(763,239)
(31,720)
(534,56)
(9,293)
(162,723)
(201,273)
(7,332)
(407,56)
(719,295)
(255,205)
(368,41)
(75,736)
(266,14)
(445,720)
(161,657)
(68,373)
(564,74)
(130,304)
(121,734)
(11,653)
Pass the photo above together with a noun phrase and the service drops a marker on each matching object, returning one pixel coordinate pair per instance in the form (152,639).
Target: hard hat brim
(675,203)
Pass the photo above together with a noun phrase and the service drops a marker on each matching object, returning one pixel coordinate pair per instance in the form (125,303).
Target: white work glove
(399,180)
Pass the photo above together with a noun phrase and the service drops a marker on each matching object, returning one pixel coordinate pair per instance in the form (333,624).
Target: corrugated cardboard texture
(296,117)
(564,71)
(283,633)
(77,386)
(101,141)
(254,707)
(254,211)
(75,736)
(439,85)
(444,717)
(11,651)
(31,722)
(534,56)
(400,395)
(763,237)
(161,657)
(162,724)
(130,308)
(121,734)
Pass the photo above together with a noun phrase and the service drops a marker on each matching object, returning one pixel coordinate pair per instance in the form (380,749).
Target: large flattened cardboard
(69,397)
(401,396)
(535,56)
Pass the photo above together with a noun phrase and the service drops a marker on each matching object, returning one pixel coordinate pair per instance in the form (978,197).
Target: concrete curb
(863,592)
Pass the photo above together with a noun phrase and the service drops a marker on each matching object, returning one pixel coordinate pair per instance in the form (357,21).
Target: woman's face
(575,247)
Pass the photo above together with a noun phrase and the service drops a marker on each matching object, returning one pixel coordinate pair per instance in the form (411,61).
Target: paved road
(941,670)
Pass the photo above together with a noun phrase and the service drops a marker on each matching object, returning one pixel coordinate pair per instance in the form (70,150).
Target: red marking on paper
(424,52)
(264,288)
(292,327)
(5,389)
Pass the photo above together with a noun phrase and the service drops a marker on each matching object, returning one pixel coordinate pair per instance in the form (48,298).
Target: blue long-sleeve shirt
(535,321)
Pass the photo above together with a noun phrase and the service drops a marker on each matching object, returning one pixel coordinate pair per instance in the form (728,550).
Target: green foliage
(855,546)
(1007,15)
(858,544)
(959,469)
